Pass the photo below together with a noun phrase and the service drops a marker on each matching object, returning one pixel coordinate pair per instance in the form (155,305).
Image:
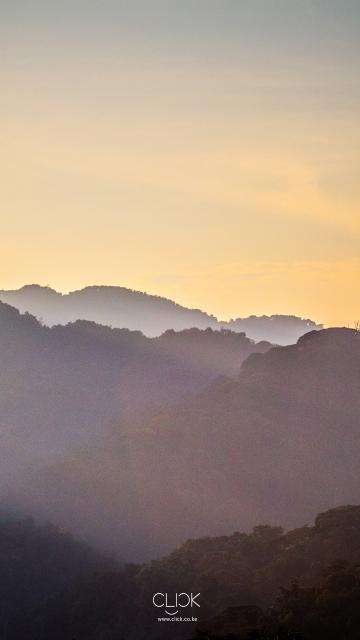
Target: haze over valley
(137,443)
(179,320)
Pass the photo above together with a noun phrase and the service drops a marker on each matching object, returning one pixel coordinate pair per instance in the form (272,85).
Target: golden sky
(203,150)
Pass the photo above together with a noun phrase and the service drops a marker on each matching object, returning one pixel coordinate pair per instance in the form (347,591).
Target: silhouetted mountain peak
(336,336)
(10,317)
(320,350)
(36,289)
(7,311)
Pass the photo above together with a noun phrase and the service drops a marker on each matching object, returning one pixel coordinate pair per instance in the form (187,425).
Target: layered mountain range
(136,444)
(152,315)
(65,386)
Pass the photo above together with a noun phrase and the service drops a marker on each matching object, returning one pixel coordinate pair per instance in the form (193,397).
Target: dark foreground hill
(152,315)
(278,443)
(245,584)
(36,562)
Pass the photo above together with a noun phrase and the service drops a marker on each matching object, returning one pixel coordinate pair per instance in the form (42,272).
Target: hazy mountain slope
(61,386)
(125,308)
(237,573)
(278,443)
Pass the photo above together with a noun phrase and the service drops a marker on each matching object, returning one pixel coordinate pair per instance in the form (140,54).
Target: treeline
(323,608)
(265,585)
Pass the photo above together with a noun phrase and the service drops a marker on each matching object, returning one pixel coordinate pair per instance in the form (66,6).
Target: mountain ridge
(122,307)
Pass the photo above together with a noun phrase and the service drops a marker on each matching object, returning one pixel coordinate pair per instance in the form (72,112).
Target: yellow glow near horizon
(233,187)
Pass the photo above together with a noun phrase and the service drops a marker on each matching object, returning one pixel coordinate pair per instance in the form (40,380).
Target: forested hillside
(306,579)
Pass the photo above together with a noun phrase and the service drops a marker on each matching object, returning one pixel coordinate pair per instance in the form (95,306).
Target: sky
(203,150)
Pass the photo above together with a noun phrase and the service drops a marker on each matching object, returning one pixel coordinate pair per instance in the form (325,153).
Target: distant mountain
(277,443)
(112,306)
(279,329)
(152,315)
(237,578)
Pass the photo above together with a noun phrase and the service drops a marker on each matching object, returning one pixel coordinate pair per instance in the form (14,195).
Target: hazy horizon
(236,314)
(203,151)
